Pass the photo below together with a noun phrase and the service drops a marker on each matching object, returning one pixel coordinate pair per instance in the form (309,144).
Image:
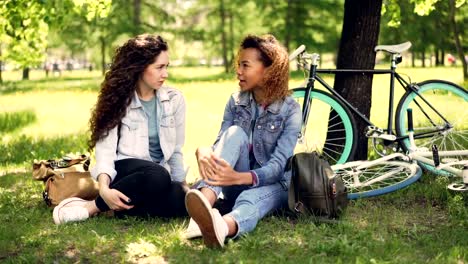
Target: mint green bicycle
(440,112)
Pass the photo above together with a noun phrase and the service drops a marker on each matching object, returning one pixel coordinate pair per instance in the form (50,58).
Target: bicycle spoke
(364,179)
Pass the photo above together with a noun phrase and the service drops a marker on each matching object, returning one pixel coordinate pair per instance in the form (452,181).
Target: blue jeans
(251,204)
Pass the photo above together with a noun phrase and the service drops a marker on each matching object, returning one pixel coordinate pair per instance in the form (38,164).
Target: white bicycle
(398,170)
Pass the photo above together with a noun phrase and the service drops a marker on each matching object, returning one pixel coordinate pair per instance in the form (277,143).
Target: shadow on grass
(10,122)
(24,149)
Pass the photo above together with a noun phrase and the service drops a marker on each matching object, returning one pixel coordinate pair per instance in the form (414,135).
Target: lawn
(45,118)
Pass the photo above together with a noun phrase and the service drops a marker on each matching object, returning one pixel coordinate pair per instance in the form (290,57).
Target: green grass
(46,118)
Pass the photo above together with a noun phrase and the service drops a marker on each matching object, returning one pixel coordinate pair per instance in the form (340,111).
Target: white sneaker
(70,210)
(212,225)
(193,230)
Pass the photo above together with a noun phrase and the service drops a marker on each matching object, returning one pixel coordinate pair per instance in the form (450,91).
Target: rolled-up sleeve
(106,154)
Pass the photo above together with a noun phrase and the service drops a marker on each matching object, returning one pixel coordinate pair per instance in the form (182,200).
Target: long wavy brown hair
(275,58)
(120,83)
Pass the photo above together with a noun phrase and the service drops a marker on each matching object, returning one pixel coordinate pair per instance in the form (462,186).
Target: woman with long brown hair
(138,131)
(258,134)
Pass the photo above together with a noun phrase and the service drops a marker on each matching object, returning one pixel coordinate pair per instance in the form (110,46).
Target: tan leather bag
(64,178)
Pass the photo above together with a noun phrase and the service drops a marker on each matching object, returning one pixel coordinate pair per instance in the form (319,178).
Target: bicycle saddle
(394,49)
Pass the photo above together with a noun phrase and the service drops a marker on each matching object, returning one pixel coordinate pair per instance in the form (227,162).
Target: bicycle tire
(451,101)
(335,150)
(364,181)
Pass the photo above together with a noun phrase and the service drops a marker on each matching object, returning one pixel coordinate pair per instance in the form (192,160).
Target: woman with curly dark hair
(137,130)
(258,134)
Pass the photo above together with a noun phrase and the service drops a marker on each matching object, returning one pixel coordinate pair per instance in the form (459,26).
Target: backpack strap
(293,196)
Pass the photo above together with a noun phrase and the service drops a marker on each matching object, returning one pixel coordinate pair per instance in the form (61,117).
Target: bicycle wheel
(450,101)
(340,143)
(373,178)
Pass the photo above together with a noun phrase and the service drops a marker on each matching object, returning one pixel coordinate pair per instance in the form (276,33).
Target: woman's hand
(203,155)
(115,199)
(223,174)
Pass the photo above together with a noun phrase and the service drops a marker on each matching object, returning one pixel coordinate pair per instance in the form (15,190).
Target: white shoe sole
(59,207)
(200,210)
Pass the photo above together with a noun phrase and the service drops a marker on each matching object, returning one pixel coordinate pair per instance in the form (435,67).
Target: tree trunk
(359,36)
(437,58)
(423,59)
(222,13)
(136,17)
(442,58)
(456,35)
(413,59)
(231,39)
(287,37)
(103,55)
(26,73)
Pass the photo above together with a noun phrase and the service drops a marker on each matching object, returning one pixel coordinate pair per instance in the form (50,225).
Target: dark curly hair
(275,58)
(120,83)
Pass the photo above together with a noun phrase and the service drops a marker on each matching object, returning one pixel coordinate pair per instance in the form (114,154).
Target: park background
(53,55)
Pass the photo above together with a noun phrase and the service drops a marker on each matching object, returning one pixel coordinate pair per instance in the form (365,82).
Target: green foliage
(317,24)
(25,24)
(24,149)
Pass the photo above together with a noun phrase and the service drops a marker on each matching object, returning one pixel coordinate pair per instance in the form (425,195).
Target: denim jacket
(133,141)
(274,136)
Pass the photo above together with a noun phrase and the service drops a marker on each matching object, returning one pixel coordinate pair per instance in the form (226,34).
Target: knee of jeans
(237,132)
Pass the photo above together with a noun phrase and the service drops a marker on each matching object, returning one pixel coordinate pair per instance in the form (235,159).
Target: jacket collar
(245,99)
(161,94)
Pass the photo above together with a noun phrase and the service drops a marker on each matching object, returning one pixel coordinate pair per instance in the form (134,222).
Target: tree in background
(316,24)
(433,26)
(457,31)
(358,38)
(24,26)
(219,26)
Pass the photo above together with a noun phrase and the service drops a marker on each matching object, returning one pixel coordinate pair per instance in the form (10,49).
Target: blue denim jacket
(133,141)
(274,136)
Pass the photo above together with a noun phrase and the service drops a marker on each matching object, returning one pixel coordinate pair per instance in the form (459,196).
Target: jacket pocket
(273,129)
(127,137)
(168,121)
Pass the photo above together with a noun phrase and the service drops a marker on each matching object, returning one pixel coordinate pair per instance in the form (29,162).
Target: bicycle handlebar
(297,52)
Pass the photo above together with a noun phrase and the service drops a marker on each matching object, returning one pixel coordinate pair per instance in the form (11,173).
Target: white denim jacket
(133,141)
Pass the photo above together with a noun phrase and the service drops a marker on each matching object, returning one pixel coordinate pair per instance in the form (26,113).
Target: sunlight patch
(143,252)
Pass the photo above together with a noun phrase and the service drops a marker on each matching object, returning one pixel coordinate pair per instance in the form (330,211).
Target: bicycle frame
(313,76)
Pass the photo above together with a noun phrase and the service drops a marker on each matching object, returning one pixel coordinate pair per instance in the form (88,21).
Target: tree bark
(359,36)
(222,13)
(456,35)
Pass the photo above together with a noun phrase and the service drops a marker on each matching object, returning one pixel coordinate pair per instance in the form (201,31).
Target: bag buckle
(296,208)
(45,197)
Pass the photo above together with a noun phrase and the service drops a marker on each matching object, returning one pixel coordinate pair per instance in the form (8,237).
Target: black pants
(150,188)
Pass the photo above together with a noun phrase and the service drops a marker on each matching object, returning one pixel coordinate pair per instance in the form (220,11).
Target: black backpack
(315,189)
